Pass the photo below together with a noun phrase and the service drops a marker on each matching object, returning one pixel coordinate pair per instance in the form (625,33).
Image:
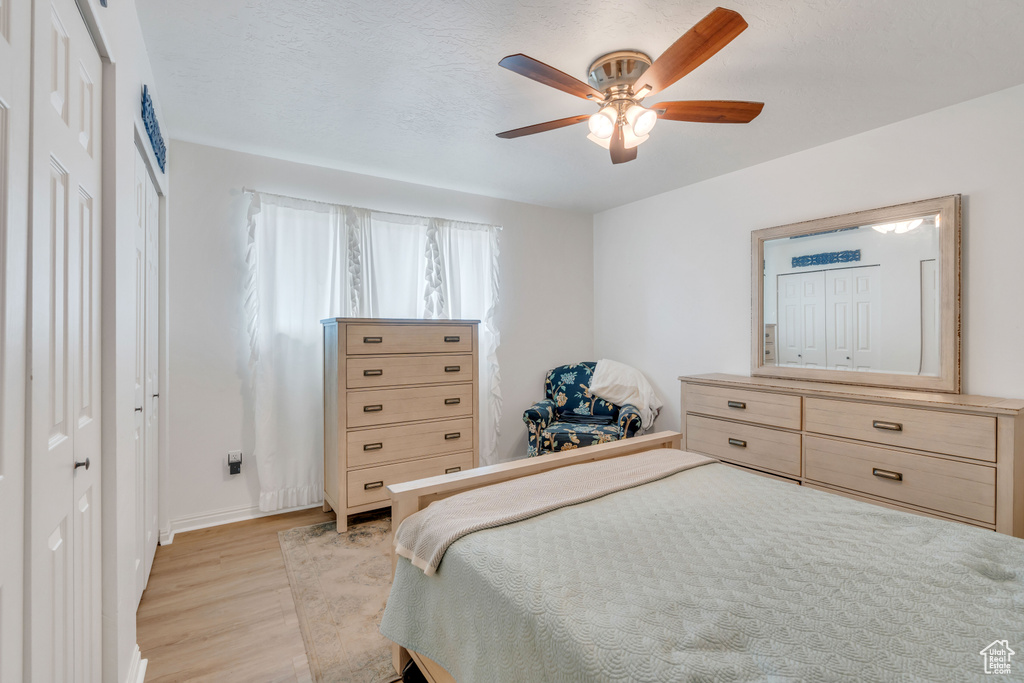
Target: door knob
(82,464)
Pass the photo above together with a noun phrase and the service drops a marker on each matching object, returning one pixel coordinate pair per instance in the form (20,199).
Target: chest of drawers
(400,403)
(951,456)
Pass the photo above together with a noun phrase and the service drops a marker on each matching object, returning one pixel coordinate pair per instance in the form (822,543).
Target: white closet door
(147,364)
(867,319)
(64,519)
(790,324)
(801,330)
(152,389)
(839,319)
(139,374)
(15,58)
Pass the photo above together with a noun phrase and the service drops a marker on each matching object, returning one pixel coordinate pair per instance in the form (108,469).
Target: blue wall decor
(156,140)
(826,258)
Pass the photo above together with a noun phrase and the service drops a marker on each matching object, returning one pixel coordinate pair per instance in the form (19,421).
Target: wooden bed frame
(412,496)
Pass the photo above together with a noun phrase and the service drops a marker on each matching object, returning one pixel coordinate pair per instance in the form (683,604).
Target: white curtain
(309,261)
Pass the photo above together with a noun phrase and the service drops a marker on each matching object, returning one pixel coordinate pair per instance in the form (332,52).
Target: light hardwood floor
(218,606)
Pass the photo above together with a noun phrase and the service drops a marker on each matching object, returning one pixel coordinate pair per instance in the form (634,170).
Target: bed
(707,574)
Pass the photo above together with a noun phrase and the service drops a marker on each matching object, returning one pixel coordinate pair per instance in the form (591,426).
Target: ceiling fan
(622,123)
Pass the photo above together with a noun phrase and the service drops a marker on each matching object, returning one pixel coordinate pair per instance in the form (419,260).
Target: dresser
(952,456)
(400,403)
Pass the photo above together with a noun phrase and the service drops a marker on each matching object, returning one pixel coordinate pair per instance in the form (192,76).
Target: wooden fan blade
(693,48)
(709,111)
(549,75)
(620,154)
(541,127)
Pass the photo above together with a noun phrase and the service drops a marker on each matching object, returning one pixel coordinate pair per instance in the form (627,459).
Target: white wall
(686,253)
(545,314)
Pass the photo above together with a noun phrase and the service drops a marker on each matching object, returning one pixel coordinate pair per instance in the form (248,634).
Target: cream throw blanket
(424,536)
(622,385)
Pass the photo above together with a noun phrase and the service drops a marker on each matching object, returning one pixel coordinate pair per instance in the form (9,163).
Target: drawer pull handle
(452,436)
(373,409)
(886,474)
(373,485)
(738,442)
(372,373)
(373,446)
(373,340)
(452,401)
(452,469)
(452,338)
(737,404)
(888,426)
(453,368)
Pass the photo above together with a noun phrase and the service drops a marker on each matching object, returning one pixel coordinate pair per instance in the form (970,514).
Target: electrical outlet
(234,462)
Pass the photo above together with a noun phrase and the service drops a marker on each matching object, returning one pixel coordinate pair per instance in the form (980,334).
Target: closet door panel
(15,57)
(64,522)
(139,374)
(152,376)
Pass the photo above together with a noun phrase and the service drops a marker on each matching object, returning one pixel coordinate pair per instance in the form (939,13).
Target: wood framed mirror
(869,298)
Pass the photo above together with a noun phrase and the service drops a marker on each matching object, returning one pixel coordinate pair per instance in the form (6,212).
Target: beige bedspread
(424,537)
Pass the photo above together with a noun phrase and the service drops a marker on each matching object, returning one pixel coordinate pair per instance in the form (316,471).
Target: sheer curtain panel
(309,261)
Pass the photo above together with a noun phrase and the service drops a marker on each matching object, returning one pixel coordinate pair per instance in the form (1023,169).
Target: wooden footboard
(410,497)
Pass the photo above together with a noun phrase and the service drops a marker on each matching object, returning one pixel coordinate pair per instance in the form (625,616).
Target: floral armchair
(570,417)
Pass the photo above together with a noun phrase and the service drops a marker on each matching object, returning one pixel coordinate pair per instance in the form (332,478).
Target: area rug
(340,583)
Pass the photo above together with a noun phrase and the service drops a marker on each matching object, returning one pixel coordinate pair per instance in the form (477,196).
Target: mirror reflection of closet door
(852,318)
(867,318)
(839,319)
(801,321)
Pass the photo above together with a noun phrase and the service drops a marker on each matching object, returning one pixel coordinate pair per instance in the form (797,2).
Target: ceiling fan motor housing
(618,70)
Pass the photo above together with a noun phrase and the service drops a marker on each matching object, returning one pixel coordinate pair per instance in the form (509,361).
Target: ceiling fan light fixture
(900,227)
(602,124)
(641,121)
(630,139)
(603,142)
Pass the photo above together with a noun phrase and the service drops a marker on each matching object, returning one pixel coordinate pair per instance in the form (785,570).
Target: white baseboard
(137,668)
(218,517)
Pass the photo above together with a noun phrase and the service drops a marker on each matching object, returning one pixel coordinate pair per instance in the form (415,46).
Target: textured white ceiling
(412,90)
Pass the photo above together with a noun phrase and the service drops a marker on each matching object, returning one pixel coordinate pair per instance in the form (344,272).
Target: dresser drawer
(407,442)
(390,406)
(956,488)
(968,436)
(770,449)
(371,339)
(776,410)
(369,485)
(365,373)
